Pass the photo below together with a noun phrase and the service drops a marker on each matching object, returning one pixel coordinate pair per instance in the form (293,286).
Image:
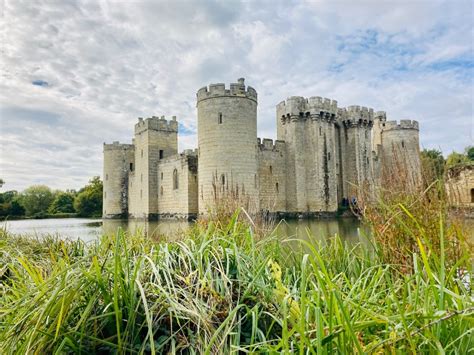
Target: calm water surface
(91,229)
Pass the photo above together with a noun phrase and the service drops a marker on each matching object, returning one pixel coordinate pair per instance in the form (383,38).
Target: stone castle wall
(271,182)
(460,186)
(177,186)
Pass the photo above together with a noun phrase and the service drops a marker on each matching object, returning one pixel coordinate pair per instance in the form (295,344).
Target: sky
(76,74)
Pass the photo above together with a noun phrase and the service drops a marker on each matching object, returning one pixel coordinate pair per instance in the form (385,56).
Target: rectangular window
(219,119)
(131,166)
(161,154)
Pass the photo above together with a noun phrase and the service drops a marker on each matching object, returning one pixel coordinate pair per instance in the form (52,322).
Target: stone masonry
(323,156)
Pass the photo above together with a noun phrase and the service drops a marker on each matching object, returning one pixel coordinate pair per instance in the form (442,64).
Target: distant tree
(88,202)
(470,152)
(36,199)
(433,162)
(455,159)
(63,203)
(2,182)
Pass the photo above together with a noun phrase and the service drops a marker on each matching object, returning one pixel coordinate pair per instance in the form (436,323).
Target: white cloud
(99,65)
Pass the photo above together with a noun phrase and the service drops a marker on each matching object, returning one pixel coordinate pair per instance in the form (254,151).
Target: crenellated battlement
(157,124)
(356,115)
(236,90)
(268,145)
(380,115)
(296,107)
(118,146)
(404,124)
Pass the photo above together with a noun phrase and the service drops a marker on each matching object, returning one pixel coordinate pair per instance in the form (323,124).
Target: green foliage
(221,291)
(433,161)
(470,153)
(88,202)
(456,159)
(63,203)
(36,200)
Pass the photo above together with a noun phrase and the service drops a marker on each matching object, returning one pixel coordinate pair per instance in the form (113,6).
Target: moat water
(348,229)
(90,229)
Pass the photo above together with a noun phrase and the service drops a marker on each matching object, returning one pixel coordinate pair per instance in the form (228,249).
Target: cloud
(78,73)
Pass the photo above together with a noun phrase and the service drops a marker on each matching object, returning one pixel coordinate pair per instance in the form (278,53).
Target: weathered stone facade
(460,186)
(322,156)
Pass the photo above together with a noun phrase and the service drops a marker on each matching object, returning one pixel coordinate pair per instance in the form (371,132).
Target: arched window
(175,179)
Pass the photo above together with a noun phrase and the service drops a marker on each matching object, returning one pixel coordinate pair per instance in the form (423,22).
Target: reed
(221,290)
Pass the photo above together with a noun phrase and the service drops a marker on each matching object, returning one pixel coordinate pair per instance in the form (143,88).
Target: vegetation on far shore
(39,201)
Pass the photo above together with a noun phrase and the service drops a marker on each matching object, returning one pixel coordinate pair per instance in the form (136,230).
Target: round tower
(401,149)
(227,142)
(118,161)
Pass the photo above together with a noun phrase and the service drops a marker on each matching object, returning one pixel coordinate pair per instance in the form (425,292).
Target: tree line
(434,161)
(40,201)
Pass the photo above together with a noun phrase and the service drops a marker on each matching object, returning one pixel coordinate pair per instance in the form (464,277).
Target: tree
(433,162)
(88,202)
(2,182)
(63,203)
(470,152)
(36,199)
(10,205)
(455,159)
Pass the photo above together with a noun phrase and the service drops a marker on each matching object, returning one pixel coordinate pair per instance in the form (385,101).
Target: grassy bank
(221,289)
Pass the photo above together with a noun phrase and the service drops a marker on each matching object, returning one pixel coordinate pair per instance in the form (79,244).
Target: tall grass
(221,290)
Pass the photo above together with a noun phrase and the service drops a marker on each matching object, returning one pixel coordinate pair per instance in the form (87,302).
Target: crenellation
(235,89)
(157,124)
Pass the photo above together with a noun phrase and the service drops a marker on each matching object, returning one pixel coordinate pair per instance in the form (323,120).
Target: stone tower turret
(401,149)
(155,139)
(308,128)
(356,149)
(118,160)
(227,142)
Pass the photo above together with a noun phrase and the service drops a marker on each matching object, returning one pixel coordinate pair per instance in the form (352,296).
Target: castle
(321,159)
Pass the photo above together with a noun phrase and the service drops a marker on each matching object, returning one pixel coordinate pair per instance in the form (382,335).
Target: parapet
(219,90)
(118,146)
(404,124)
(268,145)
(298,106)
(356,115)
(157,124)
(380,115)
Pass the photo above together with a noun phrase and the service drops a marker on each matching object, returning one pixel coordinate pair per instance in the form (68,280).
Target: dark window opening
(403,144)
(175,179)
(223,179)
(161,176)
(161,190)
(255,180)
(320,131)
(131,166)
(329,156)
(219,119)
(161,154)
(271,169)
(472,195)
(276,187)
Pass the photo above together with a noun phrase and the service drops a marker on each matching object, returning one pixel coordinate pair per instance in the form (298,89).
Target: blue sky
(75,74)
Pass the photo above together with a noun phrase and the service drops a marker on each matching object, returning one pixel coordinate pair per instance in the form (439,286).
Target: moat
(90,229)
